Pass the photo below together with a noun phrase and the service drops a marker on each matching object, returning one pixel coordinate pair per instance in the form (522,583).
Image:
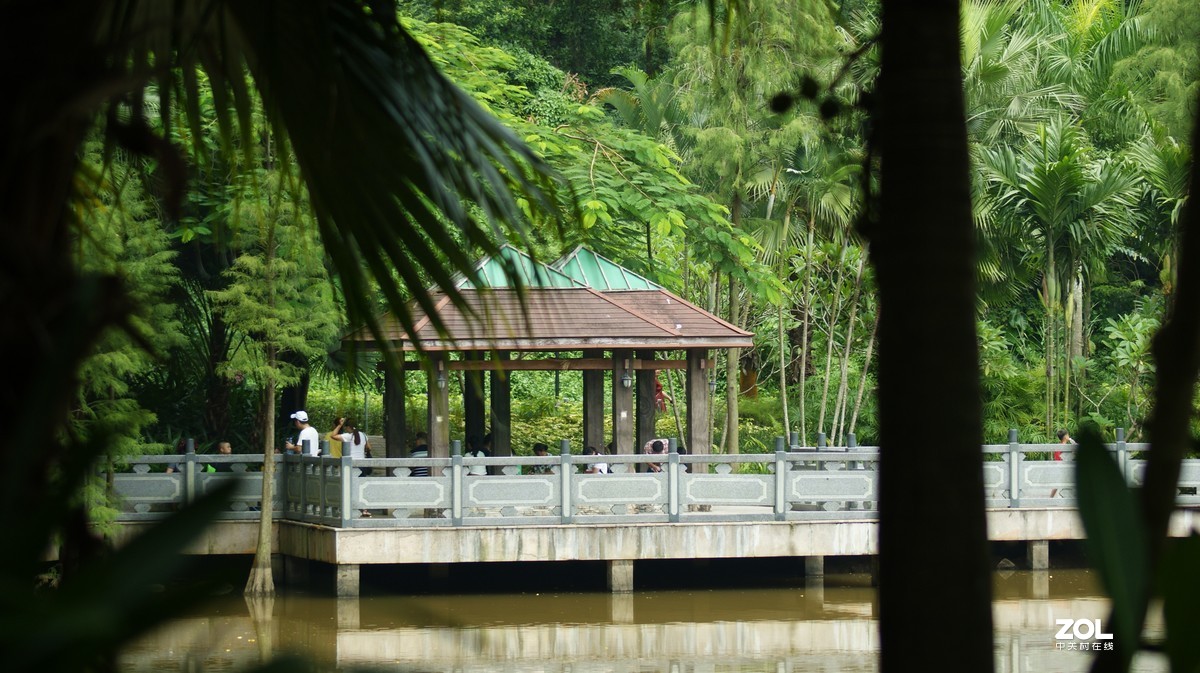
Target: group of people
(540,450)
(353,441)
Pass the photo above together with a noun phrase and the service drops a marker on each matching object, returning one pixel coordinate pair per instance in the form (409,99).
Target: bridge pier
(814,566)
(1039,554)
(620,576)
(347,580)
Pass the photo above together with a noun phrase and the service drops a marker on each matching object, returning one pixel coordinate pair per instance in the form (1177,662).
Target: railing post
(456,482)
(673,484)
(1123,457)
(281,485)
(566,504)
(346,474)
(781,469)
(1014,469)
(795,441)
(189,472)
(820,440)
(852,444)
(323,471)
(303,485)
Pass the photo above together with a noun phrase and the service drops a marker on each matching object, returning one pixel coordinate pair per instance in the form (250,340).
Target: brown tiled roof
(675,313)
(562,319)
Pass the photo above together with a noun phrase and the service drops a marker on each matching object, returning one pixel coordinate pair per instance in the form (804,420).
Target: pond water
(818,627)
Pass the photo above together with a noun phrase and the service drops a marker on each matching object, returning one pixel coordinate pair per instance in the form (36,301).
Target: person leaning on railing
(656,448)
(420,450)
(540,450)
(594,468)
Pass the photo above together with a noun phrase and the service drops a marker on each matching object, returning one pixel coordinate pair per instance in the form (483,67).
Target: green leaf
(1116,539)
(1181,603)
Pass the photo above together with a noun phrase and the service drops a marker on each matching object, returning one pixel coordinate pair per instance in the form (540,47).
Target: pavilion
(621,322)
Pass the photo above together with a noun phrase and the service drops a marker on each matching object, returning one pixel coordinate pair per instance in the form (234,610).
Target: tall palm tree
(406,174)
(1068,211)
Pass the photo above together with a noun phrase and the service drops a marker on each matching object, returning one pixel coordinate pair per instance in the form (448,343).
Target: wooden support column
(438,419)
(474,425)
(647,412)
(699,439)
(593,404)
(501,408)
(622,402)
(395,435)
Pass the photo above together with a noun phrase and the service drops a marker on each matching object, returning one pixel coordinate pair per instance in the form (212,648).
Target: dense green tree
(587,38)
(1165,72)
(735,140)
(123,237)
(1071,211)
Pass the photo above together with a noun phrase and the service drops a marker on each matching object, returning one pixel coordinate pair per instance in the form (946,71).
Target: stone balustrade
(802,483)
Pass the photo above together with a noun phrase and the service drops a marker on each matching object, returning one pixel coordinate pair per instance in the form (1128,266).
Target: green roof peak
(494,272)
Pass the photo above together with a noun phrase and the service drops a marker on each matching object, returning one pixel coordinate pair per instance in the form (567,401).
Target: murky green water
(816,628)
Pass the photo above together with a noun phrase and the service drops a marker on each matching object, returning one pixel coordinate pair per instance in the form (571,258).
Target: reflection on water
(816,628)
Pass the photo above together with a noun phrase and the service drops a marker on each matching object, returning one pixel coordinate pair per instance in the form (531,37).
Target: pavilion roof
(498,272)
(599,272)
(561,310)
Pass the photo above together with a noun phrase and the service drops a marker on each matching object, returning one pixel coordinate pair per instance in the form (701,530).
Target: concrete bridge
(806,502)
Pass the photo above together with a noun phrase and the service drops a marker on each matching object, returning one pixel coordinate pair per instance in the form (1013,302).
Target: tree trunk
(862,381)
(804,354)
(732,378)
(834,314)
(712,308)
(934,566)
(1078,341)
(839,406)
(783,359)
(261,581)
(1048,348)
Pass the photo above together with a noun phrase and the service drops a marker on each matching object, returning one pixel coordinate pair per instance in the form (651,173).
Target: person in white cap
(307,434)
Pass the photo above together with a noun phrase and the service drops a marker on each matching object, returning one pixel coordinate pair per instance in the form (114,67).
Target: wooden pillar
(395,435)
(501,408)
(473,412)
(593,404)
(699,439)
(622,402)
(647,412)
(438,419)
